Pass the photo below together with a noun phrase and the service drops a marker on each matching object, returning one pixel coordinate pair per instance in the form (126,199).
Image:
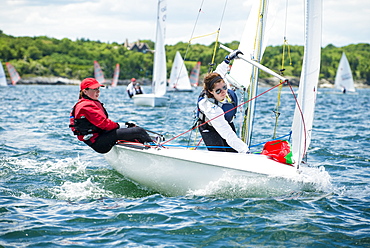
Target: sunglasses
(218,91)
(94,89)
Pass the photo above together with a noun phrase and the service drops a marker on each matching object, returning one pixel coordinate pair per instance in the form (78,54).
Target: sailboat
(179,79)
(180,171)
(194,75)
(14,76)
(115,76)
(2,76)
(343,78)
(159,83)
(98,73)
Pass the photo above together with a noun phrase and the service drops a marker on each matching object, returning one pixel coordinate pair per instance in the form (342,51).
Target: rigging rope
(223,113)
(192,38)
(285,47)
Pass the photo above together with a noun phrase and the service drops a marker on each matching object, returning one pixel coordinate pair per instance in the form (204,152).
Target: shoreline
(264,82)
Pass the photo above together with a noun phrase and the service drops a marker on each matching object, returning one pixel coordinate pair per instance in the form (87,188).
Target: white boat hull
(150,100)
(181,171)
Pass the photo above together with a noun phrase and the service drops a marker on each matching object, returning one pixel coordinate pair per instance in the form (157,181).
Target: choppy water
(57,192)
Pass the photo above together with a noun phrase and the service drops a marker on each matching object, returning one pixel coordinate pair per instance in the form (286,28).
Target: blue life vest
(229,116)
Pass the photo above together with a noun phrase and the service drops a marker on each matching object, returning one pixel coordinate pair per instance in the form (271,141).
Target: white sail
(343,78)
(159,83)
(14,76)
(2,75)
(115,76)
(98,73)
(304,111)
(240,73)
(194,74)
(252,44)
(179,79)
(254,40)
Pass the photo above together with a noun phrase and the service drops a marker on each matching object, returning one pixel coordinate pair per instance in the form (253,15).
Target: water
(57,192)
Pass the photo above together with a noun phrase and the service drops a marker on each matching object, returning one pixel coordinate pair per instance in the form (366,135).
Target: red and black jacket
(94,112)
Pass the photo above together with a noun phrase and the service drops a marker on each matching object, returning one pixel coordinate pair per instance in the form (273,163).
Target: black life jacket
(229,116)
(83,126)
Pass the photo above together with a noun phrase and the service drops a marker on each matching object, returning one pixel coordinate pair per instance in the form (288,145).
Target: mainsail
(14,76)
(343,78)
(98,73)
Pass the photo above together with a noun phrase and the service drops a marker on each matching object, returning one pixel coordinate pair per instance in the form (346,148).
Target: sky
(344,22)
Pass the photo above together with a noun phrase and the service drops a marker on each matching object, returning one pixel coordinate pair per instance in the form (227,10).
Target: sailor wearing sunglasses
(217,109)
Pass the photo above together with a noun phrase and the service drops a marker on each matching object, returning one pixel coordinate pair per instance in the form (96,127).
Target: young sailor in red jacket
(89,121)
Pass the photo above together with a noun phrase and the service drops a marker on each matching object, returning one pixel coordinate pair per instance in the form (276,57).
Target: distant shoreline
(265,82)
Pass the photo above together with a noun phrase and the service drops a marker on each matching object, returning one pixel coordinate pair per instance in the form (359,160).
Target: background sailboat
(14,76)
(2,76)
(115,76)
(179,171)
(159,83)
(194,75)
(98,73)
(179,79)
(343,78)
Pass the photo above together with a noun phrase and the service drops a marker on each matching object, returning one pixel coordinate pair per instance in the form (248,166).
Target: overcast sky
(344,21)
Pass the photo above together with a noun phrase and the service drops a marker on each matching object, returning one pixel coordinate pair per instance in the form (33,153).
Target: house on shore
(137,46)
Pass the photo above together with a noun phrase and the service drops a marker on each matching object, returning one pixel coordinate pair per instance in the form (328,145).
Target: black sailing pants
(107,140)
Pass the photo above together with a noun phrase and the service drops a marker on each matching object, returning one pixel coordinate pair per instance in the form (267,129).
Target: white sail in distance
(343,78)
(14,75)
(179,78)
(98,73)
(115,76)
(159,83)
(2,75)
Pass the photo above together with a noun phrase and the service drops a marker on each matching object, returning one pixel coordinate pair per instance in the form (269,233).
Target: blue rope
(262,143)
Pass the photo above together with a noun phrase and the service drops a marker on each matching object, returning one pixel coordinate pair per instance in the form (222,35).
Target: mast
(252,91)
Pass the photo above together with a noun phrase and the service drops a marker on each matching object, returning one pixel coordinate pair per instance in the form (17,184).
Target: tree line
(45,56)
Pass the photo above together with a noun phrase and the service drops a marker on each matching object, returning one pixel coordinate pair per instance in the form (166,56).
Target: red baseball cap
(90,83)
(133,79)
